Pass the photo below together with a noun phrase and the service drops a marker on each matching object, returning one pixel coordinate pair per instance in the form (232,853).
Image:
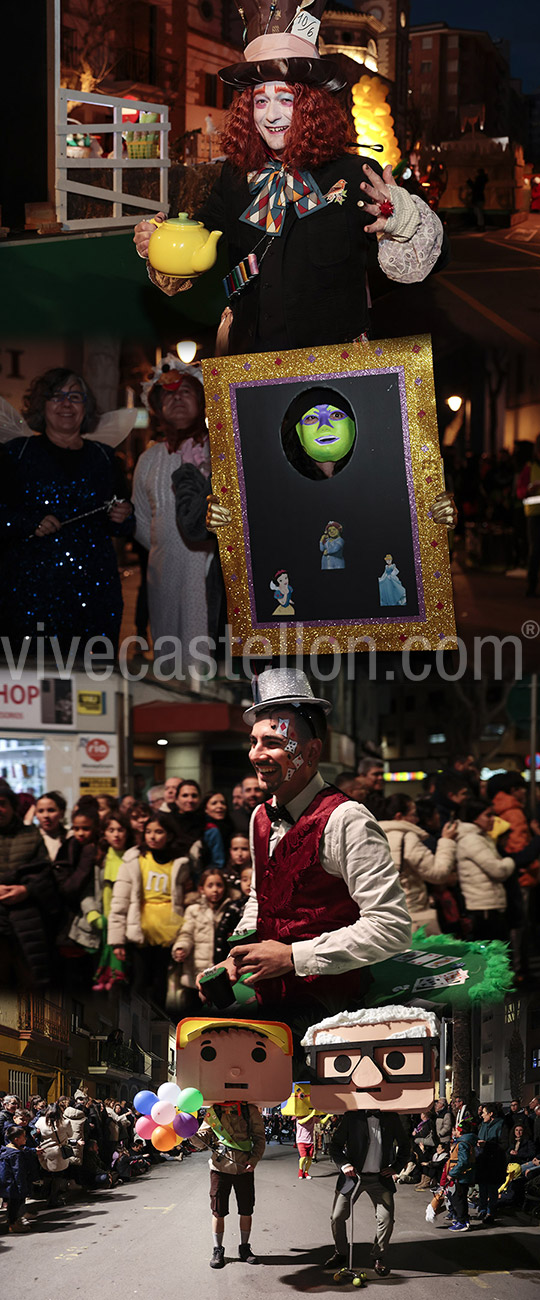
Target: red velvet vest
(298,899)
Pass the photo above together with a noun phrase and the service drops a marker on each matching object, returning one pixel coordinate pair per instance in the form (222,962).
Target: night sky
(517,23)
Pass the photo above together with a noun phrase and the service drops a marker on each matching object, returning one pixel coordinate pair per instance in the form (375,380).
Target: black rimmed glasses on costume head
(398,1060)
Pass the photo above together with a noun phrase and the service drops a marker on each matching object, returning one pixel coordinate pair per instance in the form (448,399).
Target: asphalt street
(153,1238)
(488,296)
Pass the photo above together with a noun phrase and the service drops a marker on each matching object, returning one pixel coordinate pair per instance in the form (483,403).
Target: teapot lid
(182,220)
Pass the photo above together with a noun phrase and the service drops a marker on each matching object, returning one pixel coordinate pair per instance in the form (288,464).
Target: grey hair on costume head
(368,1016)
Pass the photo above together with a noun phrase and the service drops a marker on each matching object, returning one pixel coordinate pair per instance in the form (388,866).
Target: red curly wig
(319,131)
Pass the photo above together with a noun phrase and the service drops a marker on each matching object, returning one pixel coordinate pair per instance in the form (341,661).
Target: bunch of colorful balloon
(169,1116)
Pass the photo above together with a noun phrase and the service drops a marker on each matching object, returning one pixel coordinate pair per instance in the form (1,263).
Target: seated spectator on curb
(521,1147)
(424,1146)
(94,1173)
(517,1115)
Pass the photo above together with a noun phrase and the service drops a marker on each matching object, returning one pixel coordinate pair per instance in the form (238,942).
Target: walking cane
(351,1274)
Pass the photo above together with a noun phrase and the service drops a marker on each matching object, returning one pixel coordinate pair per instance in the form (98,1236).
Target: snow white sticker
(281,586)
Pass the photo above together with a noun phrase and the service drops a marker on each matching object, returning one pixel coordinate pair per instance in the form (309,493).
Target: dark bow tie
(279,813)
(373,1114)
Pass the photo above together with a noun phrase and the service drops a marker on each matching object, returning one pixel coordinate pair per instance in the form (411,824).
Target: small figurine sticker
(391,590)
(332,546)
(281,586)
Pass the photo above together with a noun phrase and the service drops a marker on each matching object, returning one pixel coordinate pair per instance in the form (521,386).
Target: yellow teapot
(182,247)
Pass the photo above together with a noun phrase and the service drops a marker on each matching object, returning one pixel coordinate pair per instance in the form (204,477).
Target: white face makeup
(273,106)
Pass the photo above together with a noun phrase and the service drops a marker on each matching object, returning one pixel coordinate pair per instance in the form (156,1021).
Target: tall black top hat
(282,46)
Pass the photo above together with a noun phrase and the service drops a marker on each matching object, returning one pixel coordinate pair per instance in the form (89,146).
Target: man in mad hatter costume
(291,197)
(326,900)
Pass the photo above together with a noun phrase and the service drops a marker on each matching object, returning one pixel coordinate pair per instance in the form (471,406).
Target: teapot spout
(206,256)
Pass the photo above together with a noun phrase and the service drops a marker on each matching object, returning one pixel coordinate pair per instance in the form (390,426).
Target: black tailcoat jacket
(311,289)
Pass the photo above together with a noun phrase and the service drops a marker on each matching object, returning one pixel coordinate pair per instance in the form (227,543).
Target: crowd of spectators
(77,1144)
(138,892)
(475,1159)
(147,892)
(468,855)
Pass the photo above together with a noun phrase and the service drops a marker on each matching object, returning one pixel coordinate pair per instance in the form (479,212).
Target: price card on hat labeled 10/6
(306,26)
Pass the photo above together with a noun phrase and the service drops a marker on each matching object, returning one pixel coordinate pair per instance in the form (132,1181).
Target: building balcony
(116,1060)
(42,1019)
(137,66)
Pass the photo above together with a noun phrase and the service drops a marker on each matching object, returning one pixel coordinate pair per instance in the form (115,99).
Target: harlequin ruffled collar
(274,187)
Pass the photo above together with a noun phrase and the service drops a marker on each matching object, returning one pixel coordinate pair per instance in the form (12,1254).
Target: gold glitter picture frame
(381,500)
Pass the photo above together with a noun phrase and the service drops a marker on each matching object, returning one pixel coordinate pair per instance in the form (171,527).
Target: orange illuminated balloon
(163,1139)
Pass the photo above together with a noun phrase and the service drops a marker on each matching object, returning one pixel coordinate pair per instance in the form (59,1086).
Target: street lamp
(186,350)
(455,402)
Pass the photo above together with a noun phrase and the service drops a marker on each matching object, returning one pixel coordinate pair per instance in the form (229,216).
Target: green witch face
(326,432)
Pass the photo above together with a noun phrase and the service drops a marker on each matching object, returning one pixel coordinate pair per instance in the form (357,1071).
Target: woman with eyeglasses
(60,572)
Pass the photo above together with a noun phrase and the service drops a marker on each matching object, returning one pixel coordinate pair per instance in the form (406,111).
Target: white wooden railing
(118,164)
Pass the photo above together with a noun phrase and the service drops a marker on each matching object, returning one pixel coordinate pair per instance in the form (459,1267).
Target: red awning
(163,717)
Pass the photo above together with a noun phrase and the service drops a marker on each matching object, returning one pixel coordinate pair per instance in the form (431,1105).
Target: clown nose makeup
(326,432)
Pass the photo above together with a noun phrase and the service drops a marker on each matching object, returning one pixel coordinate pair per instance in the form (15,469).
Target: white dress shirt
(373,1161)
(352,847)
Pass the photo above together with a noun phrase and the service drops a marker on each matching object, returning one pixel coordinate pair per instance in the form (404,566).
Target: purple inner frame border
(333,374)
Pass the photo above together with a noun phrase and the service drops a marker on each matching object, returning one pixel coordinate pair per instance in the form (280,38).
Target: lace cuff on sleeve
(412,260)
(170,284)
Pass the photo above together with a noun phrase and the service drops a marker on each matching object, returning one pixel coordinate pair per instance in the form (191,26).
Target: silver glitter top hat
(285,686)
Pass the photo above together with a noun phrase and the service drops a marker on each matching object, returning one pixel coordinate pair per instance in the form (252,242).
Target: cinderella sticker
(391,590)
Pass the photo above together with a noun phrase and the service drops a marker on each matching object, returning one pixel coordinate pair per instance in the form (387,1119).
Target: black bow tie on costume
(279,813)
(373,1114)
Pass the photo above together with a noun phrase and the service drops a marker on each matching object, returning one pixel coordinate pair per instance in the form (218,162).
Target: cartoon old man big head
(382,1059)
(235,1060)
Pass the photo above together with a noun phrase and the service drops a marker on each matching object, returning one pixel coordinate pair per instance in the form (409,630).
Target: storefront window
(23,764)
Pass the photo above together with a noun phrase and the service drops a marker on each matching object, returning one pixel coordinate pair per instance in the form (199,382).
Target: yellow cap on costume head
(299,1102)
(194,1026)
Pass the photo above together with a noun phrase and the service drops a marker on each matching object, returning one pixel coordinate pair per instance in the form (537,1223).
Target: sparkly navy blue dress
(68,582)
